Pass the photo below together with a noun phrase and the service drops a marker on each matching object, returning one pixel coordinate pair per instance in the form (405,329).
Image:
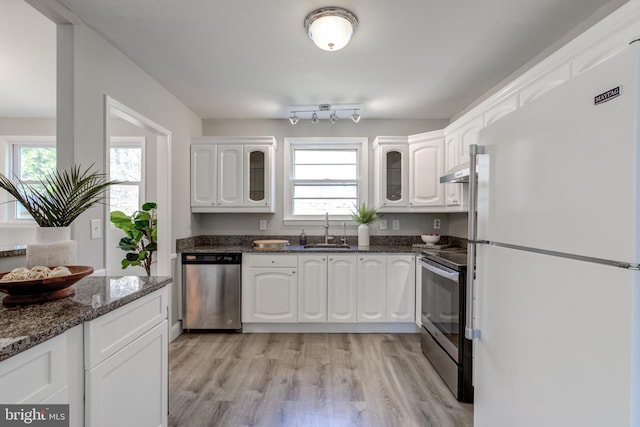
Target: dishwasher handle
(211,258)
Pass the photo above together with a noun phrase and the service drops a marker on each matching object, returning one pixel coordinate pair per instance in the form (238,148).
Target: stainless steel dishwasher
(211,290)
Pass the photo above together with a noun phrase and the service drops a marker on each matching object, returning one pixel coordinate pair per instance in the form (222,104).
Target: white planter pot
(53,247)
(363,235)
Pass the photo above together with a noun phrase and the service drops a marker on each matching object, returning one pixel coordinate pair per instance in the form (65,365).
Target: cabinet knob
(293,272)
(330,259)
(324,259)
(384,203)
(266,204)
(361,259)
(273,262)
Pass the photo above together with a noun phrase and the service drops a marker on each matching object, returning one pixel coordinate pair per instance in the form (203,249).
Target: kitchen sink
(328,246)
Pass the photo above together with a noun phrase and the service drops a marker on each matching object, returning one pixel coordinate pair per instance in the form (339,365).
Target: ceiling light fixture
(331,28)
(324,109)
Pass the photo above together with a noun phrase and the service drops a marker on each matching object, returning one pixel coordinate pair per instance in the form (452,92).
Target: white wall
(410,224)
(99,69)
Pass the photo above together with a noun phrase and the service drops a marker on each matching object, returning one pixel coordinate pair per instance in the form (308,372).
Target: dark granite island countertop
(23,327)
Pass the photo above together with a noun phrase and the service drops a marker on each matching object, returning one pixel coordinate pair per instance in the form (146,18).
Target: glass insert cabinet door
(257,169)
(393,189)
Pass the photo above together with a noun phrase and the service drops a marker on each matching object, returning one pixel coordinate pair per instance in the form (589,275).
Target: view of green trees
(36,162)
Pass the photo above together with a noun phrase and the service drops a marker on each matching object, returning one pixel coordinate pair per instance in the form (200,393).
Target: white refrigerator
(557,290)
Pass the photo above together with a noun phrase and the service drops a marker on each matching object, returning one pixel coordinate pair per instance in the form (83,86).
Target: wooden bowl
(33,291)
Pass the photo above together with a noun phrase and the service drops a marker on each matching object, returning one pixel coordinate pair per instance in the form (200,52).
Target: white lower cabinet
(386,288)
(130,387)
(126,365)
(328,288)
(49,373)
(312,288)
(270,289)
(341,288)
(112,371)
(372,288)
(401,288)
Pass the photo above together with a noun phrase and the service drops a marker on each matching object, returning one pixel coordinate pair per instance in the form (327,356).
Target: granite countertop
(23,327)
(294,249)
(13,250)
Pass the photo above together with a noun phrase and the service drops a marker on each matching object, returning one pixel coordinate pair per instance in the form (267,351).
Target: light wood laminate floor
(305,380)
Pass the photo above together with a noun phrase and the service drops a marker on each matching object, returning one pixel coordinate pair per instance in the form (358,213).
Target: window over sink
(324,175)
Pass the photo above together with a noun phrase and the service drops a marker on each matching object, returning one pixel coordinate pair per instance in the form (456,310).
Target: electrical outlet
(96,229)
(263,225)
(395,224)
(436,224)
(383,224)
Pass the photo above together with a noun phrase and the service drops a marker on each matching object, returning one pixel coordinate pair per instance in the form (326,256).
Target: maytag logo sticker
(34,415)
(607,96)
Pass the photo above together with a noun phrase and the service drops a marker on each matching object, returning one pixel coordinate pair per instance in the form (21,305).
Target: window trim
(124,142)
(361,144)
(8,157)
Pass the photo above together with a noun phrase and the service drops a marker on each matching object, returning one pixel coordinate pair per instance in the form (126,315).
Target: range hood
(458,174)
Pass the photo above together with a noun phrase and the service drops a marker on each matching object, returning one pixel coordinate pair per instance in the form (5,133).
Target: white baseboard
(175,331)
(365,328)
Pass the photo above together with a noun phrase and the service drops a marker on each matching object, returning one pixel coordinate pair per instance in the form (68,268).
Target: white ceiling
(27,61)
(409,59)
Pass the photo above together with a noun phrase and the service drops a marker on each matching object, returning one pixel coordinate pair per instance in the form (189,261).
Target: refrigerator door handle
(474,150)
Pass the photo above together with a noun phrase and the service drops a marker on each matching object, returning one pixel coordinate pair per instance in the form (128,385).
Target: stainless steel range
(443,319)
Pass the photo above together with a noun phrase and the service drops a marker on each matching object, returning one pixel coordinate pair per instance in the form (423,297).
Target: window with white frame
(31,160)
(324,175)
(126,164)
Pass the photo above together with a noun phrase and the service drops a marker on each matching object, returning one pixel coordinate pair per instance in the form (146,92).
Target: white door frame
(163,176)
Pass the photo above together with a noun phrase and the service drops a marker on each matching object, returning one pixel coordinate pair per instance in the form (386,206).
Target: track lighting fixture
(323,109)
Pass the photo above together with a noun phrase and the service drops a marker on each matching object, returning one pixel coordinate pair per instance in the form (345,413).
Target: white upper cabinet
(203,190)
(469,133)
(391,173)
(232,174)
(259,176)
(426,162)
(229,175)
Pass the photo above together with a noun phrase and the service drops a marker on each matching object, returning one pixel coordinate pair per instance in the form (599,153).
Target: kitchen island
(23,327)
(105,347)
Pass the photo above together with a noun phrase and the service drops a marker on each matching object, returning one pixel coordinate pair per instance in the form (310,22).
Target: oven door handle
(439,272)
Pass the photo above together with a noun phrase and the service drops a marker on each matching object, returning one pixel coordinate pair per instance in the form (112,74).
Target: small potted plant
(54,203)
(141,235)
(364,216)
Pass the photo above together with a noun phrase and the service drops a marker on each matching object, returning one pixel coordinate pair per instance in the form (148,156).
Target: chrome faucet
(326,229)
(344,239)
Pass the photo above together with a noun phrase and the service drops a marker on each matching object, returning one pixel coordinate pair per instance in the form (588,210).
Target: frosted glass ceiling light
(331,28)
(355,116)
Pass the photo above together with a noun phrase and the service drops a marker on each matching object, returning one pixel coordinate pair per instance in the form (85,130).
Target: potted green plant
(54,203)
(364,216)
(141,235)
